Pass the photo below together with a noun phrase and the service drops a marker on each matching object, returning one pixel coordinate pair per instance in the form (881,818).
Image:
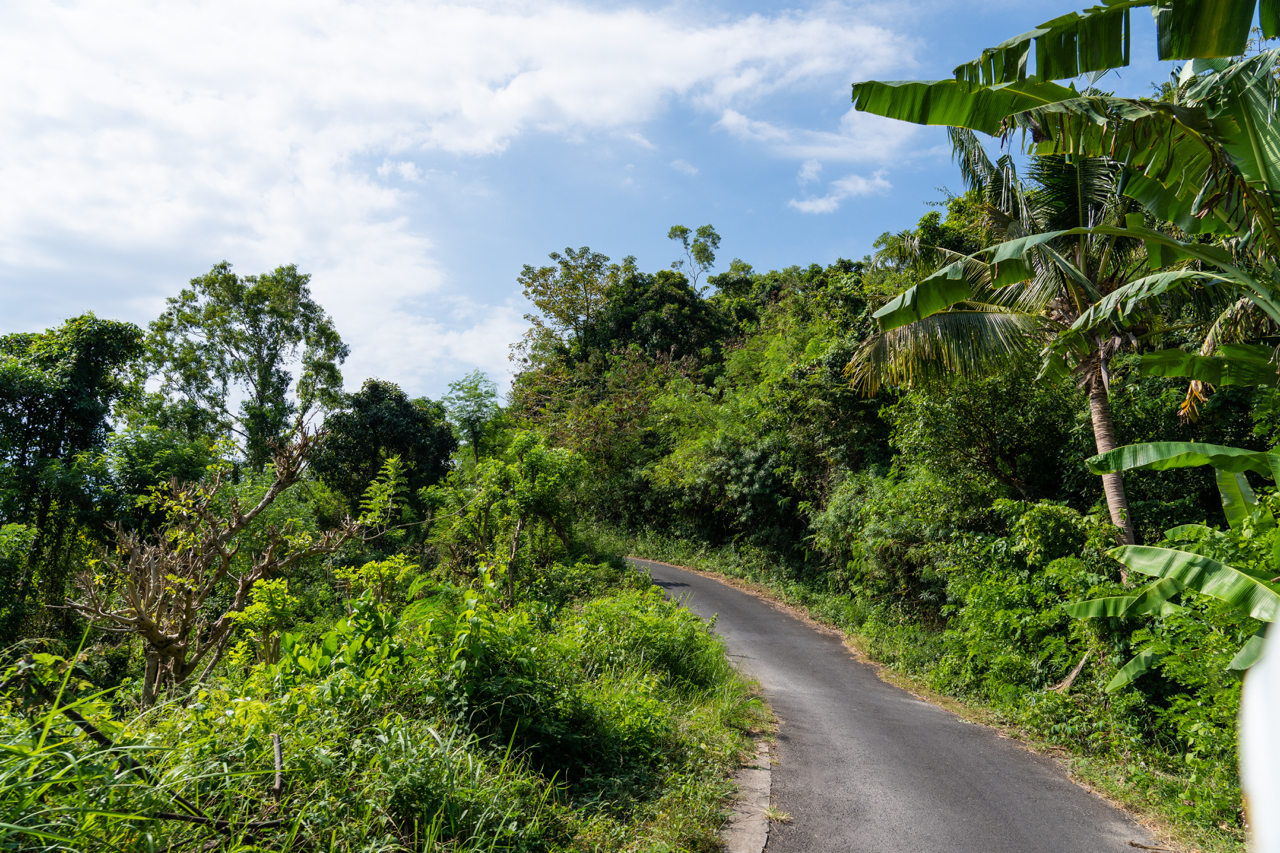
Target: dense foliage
(238,630)
(948,521)
(964,451)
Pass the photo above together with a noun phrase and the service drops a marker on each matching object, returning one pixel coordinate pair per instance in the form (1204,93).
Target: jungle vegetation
(1024,453)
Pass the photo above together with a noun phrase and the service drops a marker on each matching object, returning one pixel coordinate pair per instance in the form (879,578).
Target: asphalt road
(865,766)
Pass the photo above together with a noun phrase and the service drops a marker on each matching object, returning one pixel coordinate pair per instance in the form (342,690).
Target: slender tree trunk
(1104,435)
(149,677)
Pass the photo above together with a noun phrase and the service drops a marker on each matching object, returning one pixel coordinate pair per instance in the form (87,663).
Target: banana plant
(1249,589)
(1207,161)
(996,85)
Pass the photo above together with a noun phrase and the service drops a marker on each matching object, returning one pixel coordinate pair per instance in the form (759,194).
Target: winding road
(865,766)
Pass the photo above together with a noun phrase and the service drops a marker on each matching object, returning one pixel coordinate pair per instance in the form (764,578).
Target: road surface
(865,767)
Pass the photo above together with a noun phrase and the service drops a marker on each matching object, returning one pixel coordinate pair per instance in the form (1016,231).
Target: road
(865,766)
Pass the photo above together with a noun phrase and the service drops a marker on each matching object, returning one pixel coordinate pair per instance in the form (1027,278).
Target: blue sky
(413,156)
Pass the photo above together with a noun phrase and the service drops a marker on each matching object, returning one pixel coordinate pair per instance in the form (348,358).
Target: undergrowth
(590,715)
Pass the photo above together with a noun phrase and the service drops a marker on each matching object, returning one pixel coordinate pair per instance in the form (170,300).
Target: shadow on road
(668,584)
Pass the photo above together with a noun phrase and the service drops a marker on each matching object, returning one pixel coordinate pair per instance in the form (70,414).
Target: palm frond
(969,339)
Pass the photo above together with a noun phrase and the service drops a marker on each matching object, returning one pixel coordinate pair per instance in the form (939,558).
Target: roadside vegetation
(229,629)
(1025,453)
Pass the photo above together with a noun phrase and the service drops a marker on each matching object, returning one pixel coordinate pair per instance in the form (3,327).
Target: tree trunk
(1104,435)
(149,676)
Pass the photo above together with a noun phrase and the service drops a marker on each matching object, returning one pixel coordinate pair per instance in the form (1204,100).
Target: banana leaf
(939,291)
(1250,652)
(1141,663)
(1245,365)
(1201,28)
(953,103)
(1163,455)
(1239,502)
(1153,599)
(1244,591)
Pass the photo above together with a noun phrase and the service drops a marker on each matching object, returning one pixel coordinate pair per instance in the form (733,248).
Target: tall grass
(609,721)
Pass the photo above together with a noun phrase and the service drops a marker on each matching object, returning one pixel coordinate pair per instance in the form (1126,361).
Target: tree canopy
(378,422)
(228,335)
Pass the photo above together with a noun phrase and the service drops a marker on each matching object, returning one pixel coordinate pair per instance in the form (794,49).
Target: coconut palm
(1014,311)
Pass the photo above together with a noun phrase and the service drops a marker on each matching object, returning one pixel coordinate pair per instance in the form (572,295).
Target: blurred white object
(1260,750)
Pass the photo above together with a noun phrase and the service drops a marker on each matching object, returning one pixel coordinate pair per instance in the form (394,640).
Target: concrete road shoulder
(748,828)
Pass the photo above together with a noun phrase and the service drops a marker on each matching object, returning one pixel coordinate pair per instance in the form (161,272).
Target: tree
(157,587)
(227,332)
(661,314)
(569,295)
(987,91)
(1205,158)
(377,422)
(57,389)
(472,404)
(699,254)
(997,317)
(1236,566)
(1005,427)
(514,510)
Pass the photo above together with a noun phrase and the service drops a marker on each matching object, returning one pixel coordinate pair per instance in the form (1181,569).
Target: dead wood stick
(1065,685)
(278,788)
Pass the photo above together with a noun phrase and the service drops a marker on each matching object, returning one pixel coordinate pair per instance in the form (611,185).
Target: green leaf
(1171,205)
(1188,531)
(1244,365)
(1113,606)
(1163,455)
(953,103)
(1269,17)
(1243,591)
(1239,502)
(1155,598)
(1250,652)
(939,291)
(1141,663)
(1012,271)
(1186,29)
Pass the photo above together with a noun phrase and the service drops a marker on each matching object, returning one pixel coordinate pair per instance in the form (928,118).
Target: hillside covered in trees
(1023,454)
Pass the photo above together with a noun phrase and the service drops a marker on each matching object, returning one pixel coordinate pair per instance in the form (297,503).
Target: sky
(413,156)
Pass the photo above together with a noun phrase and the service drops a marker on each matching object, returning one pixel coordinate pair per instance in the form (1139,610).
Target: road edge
(747,830)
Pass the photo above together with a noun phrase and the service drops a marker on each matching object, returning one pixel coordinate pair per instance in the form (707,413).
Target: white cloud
(639,139)
(846,187)
(809,172)
(861,138)
(684,168)
(405,170)
(196,131)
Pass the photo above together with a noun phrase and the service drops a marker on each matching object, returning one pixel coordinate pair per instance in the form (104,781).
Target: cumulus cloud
(140,133)
(809,172)
(846,187)
(684,168)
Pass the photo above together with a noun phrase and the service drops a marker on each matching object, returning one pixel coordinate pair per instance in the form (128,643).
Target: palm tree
(1015,313)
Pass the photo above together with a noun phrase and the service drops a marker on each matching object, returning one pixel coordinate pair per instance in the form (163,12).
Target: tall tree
(699,253)
(228,334)
(569,295)
(375,423)
(472,403)
(57,389)
(661,314)
(1014,314)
